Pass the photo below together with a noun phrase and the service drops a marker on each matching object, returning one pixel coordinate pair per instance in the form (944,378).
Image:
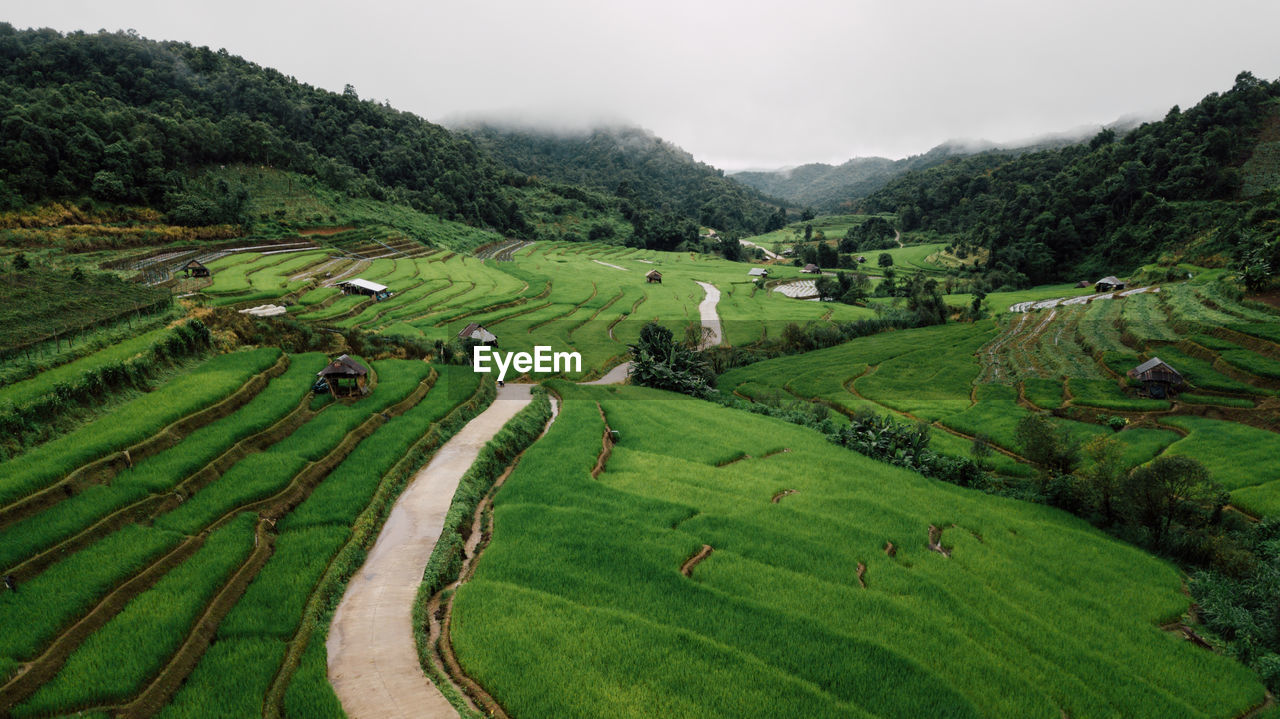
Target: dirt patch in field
(862,573)
(324,231)
(935,542)
(784,493)
(687,568)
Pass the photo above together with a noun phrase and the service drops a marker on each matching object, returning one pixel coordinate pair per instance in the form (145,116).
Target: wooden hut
(811,269)
(758,272)
(478,333)
(1108,284)
(1082,283)
(1158,379)
(195,268)
(345,377)
(653,276)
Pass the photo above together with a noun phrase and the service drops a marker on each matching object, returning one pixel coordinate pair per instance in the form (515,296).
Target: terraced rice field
(190,577)
(567,295)
(800,581)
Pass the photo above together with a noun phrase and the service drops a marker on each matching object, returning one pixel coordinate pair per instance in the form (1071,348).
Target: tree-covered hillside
(637,167)
(123,119)
(1191,183)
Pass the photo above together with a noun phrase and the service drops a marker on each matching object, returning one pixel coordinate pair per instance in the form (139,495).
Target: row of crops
(820,595)
(180,557)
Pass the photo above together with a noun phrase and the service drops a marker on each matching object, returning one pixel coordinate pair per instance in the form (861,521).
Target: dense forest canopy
(637,167)
(1186,182)
(122,119)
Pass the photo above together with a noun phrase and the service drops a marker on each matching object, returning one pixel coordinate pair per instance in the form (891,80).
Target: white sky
(738,83)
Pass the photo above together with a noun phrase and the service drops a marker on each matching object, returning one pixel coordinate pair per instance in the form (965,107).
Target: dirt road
(710,320)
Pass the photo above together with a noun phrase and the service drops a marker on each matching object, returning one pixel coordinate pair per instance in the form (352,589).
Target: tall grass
(115,662)
(136,420)
(578,607)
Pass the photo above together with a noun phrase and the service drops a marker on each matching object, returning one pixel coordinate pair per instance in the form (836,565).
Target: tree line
(1115,201)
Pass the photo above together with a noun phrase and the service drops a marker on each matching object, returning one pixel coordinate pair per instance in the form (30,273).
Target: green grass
(1241,458)
(578,607)
(21,393)
(1043,393)
(133,422)
(163,471)
(264,473)
(1106,394)
(1193,398)
(1201,374)
(69,587)
(228,682)
(115,661)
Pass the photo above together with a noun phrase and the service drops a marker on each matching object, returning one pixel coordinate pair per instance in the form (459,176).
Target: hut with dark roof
(811,269)
(1158,379)
(345,377)
(195,268)
(653,276)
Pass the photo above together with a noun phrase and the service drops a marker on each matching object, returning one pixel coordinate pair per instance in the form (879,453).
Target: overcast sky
(738,83)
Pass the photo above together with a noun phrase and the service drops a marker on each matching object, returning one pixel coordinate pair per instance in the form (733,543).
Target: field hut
(1108,284)
(475,332)
(811,269)
(195,268)
(365,287)
(788,252)
(1082,283)
(653,276)
(757,272)
(345,377)
(862,259)
(1158,379)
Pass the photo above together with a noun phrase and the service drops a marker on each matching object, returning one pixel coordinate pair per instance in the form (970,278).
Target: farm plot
(579,607)
(1241,458)
(132,422)
(129,610)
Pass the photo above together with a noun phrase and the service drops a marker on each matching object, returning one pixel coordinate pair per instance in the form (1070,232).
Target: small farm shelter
(1082,283)
(757,272)
(475,332)
(862,259)
(365,287)
(345,377)
(1108,284)
(811,269)
(195,268)
(788,252)
(653,276)
(1157,378)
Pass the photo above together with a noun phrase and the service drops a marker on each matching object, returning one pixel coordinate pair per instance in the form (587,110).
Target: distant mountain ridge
(836,187)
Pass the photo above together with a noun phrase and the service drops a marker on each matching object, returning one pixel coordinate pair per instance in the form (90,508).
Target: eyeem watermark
(542,360)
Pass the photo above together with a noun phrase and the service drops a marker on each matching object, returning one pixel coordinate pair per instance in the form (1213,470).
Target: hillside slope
(1174,185)
(633,164)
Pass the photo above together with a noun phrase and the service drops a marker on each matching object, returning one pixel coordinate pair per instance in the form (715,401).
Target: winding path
(710,320)
(768,254)
(373,662)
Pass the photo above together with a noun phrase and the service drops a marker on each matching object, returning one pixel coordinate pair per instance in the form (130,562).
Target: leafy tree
(1107,471)
(1050,447)
(885,259)
(21,263)
(1157,492)
(1254,267)
(658,361)
(807,214)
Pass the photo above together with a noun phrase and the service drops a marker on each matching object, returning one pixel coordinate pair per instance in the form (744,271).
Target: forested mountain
(836,188)
(121,118)
(1201,180)
(634,165)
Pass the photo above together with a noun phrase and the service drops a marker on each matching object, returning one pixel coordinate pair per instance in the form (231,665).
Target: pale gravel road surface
(710,320)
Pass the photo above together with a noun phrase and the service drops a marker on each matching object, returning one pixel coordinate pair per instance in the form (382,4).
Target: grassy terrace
(318,472)
(579,606)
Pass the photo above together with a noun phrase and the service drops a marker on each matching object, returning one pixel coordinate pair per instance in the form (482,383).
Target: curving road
(373,662)
(711,335)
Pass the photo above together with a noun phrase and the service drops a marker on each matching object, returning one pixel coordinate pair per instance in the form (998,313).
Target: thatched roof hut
(345,377)
(653,276)
(811,269)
